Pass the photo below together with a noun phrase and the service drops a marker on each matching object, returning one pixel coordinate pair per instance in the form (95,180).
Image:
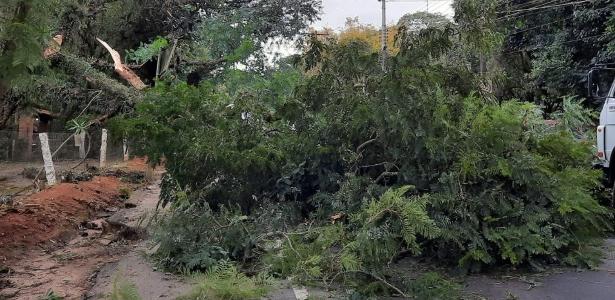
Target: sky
(335,12)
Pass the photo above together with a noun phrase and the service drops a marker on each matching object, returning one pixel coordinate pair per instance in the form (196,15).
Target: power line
(541,25)
(513,12)
(549,6)
(565,42)
(532,2)
(538,12)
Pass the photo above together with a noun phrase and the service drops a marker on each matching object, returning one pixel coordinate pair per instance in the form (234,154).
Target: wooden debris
(54,46)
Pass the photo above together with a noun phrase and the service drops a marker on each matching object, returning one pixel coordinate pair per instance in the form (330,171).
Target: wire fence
(21,148)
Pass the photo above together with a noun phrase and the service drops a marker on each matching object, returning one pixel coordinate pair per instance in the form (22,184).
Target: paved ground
(565,284)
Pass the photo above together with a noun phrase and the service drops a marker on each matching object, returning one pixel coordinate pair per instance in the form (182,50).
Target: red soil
(47,215)
(137,164)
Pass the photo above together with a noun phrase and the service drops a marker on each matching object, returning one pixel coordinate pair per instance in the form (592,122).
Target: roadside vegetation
(469,151)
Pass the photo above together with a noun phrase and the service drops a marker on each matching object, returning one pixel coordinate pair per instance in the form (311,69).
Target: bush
(195,238)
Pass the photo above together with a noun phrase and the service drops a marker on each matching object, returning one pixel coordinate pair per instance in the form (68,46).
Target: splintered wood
(123,70)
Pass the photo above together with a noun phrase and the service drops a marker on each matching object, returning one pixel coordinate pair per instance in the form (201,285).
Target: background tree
(200,36)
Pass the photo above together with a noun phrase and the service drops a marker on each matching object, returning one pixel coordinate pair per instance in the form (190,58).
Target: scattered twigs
(396,289)
(385,164)
(383,281)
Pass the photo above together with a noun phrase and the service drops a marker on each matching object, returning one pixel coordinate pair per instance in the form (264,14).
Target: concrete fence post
(50,172)
(80,141)
(103,149)
(125,147)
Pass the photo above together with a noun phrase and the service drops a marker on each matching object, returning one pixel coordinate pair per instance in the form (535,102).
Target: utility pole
(383,37)
(384,34)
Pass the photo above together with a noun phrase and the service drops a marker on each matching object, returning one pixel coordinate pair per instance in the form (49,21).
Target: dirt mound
(48,215)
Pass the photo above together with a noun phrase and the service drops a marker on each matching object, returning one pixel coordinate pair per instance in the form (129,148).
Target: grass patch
(226,282)
(123,290)
(51,295)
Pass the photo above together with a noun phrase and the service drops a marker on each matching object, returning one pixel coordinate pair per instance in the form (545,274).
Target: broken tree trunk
(50,172)
(103,149)
(123,70)
(168,56)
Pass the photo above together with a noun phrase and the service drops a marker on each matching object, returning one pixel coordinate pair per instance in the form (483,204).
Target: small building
(30,122)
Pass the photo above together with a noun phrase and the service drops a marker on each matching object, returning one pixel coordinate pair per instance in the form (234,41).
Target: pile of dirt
(54,214)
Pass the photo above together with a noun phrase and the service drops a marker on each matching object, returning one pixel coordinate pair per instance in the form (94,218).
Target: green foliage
(225,282)
(123,290)
(26,26)
(477,20)
(241,141)
(513,171)
(146,52)
(403,218)
(375,236)
(432,286)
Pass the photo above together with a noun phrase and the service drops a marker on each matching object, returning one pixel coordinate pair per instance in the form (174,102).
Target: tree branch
(386,174)
(365,144)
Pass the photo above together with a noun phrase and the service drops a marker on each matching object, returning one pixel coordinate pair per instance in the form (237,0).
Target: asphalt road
(565,284)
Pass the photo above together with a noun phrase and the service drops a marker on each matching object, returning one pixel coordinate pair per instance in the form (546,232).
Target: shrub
(195,238)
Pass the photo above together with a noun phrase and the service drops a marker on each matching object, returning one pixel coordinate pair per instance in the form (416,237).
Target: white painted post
(80,141)
(125,147)
(50,172)
(103,149)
